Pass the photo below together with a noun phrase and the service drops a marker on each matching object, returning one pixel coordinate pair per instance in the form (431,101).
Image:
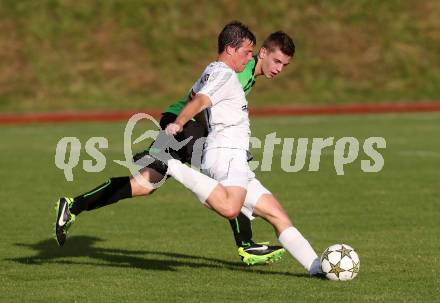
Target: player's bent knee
(141,191)
(227,202)
(231,213)
(140,188)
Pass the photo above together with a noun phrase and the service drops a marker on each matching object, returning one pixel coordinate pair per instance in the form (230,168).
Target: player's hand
(173,128)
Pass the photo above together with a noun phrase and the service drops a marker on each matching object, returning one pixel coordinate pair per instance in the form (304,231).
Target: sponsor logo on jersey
(204,79)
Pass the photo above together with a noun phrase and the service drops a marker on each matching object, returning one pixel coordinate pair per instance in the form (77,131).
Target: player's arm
(192,108)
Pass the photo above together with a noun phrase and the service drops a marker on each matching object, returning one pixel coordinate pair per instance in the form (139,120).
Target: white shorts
(254,191)
(230,168)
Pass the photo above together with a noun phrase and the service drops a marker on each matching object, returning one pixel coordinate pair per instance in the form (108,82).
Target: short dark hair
(280,40)
(233,34)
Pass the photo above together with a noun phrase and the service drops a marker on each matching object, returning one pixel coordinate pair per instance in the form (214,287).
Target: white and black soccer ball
(340,262)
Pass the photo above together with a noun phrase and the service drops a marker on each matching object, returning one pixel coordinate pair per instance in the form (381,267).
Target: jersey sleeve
(215,87)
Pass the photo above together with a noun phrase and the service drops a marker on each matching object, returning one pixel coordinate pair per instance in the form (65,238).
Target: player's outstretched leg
(225,200)
(107,193)
(252,253)
(292,240)
(110,192)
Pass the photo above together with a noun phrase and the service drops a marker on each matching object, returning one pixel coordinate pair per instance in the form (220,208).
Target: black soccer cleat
(64,219)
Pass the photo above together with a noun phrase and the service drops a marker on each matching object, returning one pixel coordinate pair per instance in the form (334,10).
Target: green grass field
(167,248)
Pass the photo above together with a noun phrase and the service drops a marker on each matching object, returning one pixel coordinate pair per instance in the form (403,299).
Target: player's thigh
(236,193)
(228,166)
(229,197)
(269,208)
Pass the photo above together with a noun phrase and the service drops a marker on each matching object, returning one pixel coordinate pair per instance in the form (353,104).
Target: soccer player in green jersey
(275,54)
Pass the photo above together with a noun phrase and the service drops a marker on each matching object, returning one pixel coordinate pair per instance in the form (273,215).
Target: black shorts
(191,129)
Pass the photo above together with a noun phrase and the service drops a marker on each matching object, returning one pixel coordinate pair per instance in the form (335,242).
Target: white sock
(201,185)
(294,242)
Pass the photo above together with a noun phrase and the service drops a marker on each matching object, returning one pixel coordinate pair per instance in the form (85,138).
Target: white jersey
(228,117)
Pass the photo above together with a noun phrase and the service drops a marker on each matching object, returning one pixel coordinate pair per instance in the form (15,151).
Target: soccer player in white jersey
(275,53)
(229,186)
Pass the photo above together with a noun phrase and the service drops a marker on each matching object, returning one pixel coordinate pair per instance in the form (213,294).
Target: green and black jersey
(246,78)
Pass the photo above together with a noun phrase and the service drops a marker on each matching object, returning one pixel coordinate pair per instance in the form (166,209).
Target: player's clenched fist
(173,129)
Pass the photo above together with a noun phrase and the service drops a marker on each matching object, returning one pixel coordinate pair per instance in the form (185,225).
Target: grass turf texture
(168,248)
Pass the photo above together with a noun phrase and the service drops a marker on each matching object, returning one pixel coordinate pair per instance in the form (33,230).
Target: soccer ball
(340,262)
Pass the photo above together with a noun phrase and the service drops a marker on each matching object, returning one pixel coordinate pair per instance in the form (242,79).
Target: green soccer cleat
(64,219)
(260,253)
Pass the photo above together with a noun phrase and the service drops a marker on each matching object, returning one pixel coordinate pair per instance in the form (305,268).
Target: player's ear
(229,49)
(262,53)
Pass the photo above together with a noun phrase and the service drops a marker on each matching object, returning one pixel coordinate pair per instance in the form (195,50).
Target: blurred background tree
(80,55)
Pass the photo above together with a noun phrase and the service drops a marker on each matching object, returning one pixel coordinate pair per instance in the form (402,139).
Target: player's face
(242,55)
(273,62)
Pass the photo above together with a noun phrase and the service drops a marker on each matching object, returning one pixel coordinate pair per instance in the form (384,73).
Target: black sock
(241,226)
(110,192)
